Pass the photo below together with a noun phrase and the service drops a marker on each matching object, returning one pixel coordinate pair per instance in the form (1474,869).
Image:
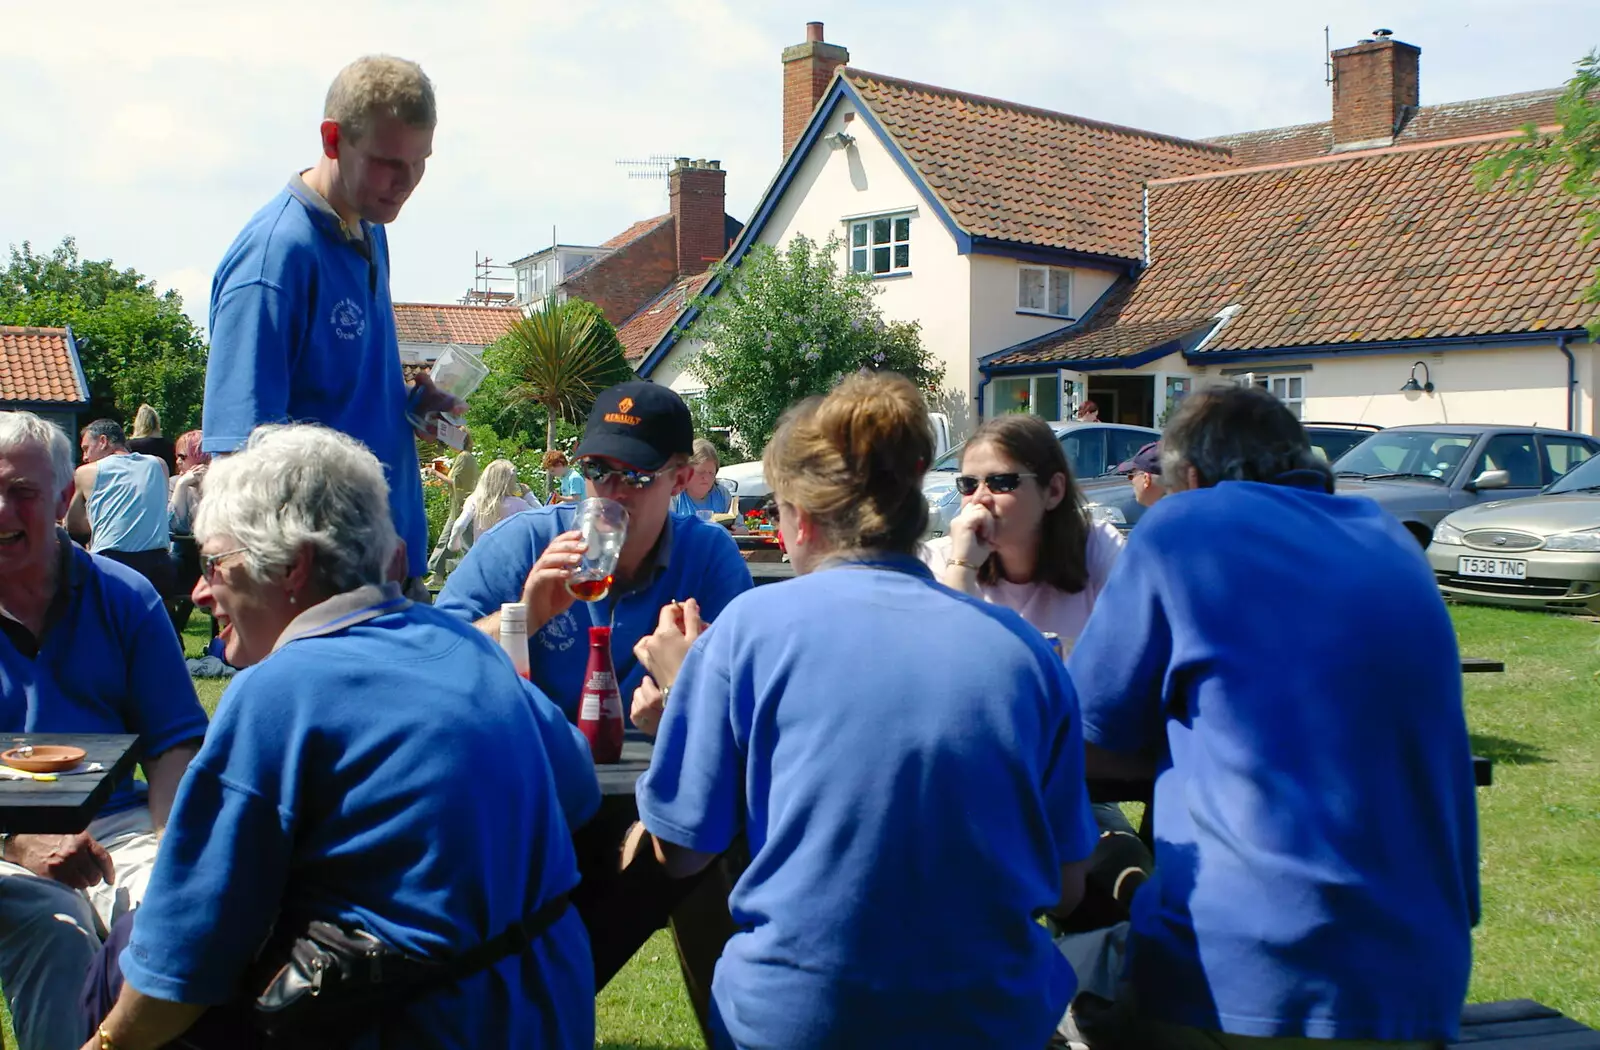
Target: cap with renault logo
(639,425)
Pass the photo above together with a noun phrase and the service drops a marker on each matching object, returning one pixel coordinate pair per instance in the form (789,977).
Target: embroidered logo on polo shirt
(558,635)
(348,320)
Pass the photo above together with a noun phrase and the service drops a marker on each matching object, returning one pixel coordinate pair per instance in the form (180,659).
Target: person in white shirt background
(499,495)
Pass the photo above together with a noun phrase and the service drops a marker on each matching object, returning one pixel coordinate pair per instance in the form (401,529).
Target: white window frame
(1050,380)
(522,283)
(1055,276)
(1279,384)
(865,222)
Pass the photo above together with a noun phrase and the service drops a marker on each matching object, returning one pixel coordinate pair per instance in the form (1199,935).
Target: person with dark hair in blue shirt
(378,765)
(905,761)
(1279,657)
(302,325)
(85,647)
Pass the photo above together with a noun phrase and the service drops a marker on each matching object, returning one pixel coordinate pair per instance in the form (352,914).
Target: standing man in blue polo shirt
(1278,656)
(635,450)
(302,326)
(85,647)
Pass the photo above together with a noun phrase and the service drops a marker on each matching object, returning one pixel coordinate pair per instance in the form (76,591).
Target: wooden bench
(1522,1023)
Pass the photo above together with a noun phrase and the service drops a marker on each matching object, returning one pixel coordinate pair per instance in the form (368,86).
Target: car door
(1562,453)
(1515,453)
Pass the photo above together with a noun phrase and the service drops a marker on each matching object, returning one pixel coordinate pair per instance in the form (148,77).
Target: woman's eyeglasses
(599,473)
(966,484)
(208,562)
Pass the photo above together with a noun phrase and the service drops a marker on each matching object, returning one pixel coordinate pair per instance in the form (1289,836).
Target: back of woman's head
(299,486)
(498,480)
(854,460)
(1032,445)
(146,423)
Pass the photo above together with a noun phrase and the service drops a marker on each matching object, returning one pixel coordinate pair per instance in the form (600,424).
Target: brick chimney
(697,189)
(1374,91)
(807,70)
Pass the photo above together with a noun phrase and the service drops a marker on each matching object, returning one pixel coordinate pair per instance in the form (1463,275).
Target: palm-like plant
(560,357)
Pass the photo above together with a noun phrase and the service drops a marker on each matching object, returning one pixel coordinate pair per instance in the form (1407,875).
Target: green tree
(1573,149)
(788,325)
(557,360)
(136,346)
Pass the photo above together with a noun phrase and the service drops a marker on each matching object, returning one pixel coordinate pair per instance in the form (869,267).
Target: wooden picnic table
(65,806)
(770,571)
(1481,665)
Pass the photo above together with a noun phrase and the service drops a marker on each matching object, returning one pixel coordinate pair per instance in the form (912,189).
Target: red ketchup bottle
(600,704)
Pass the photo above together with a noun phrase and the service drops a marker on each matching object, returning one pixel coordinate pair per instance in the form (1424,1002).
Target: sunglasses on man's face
(966,484)
(600,473)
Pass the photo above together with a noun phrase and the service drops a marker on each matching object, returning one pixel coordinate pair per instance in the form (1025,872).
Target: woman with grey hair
(704,495)
(378,766)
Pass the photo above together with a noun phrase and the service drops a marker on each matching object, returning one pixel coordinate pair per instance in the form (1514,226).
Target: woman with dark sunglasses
(909,810)
(1023,538)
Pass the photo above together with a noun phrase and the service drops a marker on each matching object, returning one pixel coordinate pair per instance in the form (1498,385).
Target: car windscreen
(1405,453)
(1585,475)
(1331,444)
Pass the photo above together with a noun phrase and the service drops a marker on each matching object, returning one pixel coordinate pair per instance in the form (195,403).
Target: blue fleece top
(695,560)
(109,662)
(1287,656)
(388,772)
(907,765)
(302,330)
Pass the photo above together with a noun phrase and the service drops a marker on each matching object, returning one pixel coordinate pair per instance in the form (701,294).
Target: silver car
(1537,553)
(1093,450)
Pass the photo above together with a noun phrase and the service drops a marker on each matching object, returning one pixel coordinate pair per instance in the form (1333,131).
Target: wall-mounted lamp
(1414,387)
(839,140)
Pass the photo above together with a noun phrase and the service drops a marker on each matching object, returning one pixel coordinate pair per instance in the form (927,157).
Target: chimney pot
(807,71)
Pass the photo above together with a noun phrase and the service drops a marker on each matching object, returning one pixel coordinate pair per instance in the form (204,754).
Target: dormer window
(1044,290)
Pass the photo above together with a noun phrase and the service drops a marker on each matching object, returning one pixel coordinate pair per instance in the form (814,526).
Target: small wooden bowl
(46,758)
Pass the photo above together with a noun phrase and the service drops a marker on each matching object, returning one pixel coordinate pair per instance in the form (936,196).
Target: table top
(770,571)
(64,806)
(619,778)
(1480,665)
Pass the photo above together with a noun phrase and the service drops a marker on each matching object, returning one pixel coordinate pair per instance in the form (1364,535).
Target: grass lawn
(1540,824)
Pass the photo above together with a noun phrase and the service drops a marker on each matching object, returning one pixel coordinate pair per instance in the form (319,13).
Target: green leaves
(1574,148)
(790,325)
(559,358)
(136,346)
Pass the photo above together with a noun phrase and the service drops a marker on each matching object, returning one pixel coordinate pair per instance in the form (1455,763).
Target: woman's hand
(972,534)
(649,702)
(662,653)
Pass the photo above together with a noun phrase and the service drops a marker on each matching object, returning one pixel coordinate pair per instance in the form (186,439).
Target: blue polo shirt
(381,768)
(1285,654)
(694,560)
(572,484)
(907,764)
(717,501)
(302,330)
(109,662)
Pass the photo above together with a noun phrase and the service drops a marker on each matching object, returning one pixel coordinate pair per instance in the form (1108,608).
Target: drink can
(1055,644)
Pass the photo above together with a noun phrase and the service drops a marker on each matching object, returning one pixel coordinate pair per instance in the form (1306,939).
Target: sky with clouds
(152,131)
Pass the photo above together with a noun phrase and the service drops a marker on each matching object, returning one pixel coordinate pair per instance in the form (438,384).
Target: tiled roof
(641,332)
(638,229)
(1105,335)
(1451,120)
(37,364)
(449,323)
(1030,176)
(1391,244)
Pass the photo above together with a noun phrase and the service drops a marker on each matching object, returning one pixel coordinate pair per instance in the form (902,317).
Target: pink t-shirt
(1047,608)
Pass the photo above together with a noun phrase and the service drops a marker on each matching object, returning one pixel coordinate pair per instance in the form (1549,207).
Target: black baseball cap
(638,424)
(1147,459)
